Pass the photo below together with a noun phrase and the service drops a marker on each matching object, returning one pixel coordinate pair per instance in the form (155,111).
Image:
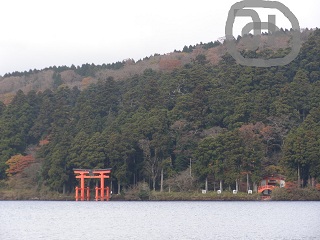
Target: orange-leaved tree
(18,163)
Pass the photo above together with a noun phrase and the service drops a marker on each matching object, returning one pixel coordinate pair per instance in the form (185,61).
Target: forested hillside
(223,120)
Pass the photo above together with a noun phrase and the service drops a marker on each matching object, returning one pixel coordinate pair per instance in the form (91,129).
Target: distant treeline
(83,70)
(89,69)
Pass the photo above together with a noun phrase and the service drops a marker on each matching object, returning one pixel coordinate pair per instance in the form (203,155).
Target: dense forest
(179,129)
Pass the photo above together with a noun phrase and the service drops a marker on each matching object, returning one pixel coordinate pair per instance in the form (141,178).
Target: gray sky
(43,33)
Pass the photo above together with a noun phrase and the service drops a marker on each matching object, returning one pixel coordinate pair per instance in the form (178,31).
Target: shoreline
(283,195)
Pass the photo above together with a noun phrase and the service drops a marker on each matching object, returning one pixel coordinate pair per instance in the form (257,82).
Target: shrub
(139,192)
(181,182)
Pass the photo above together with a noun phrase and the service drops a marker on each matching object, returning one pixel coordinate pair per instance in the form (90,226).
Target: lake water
(33,220)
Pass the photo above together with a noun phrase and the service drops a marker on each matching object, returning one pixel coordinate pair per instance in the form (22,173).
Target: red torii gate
(102,193)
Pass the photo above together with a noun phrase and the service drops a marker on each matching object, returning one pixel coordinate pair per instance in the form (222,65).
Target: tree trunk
(64,189)
(119,187)
(221,186)
(299,182)
(153,178)
(161,181)
(248,186)
(255,187)
(134,174)
(206,184)
(312,182)
(154,183)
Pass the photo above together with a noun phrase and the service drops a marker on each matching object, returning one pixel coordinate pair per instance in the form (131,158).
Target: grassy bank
(144,194)
(295,194)
(196,196)
(8,191)
(277,195)
(19,190)
(44,195)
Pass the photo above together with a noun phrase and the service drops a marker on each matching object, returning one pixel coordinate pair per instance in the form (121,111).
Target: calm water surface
(33,220)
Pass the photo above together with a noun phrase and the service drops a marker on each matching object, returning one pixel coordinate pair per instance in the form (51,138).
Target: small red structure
(102,192)
(269,183)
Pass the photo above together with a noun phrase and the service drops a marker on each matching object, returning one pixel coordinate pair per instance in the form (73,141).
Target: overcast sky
(40,33)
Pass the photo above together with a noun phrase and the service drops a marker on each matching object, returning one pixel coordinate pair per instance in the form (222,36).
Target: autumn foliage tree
(168,64)
(18,163)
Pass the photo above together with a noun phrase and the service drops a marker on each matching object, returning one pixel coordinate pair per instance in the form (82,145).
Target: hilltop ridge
(86,74)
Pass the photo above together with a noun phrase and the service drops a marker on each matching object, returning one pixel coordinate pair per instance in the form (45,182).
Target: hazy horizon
(39,34)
